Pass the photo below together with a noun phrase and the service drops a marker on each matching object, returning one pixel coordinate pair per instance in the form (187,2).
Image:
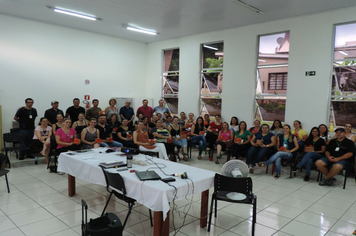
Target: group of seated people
(165,134)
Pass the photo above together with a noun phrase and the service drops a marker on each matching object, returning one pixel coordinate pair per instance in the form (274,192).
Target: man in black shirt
(105,133)
(74,111)
(51,114)
(26,116)
(337,156)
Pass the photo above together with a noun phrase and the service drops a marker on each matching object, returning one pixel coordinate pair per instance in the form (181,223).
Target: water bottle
(36,160)
(129,161)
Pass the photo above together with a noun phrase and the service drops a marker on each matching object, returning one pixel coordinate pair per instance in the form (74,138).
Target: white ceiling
(171,18)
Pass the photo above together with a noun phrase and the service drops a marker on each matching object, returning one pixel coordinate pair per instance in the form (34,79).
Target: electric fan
(235,169)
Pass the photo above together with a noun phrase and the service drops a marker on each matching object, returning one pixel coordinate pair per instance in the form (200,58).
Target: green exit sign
(310,73)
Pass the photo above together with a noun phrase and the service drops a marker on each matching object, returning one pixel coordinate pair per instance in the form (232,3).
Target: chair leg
(7,183)
(211,212)
(346,173)
(107,202)
(254,215)
(149,210)
(266,169)
(128,214)
(216,208)
(320,176)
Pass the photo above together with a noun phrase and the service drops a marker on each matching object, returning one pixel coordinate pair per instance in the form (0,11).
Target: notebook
(147,175)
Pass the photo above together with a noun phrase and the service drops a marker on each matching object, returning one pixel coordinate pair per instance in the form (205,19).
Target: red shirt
(146,112)
(213,126)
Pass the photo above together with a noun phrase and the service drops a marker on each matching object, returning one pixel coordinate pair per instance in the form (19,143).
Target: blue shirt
(267,139)
(162,110)
(127,113)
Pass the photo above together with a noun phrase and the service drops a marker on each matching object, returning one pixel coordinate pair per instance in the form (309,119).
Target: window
(277,81)
(211,78)
(343,93)
(170,79)
(272,77)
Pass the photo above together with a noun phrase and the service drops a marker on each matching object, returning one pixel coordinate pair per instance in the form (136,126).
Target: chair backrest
(15,134)
(114,180)
(230,184)
(7,137)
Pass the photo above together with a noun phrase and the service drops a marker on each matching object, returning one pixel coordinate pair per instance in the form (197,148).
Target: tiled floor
(38,205)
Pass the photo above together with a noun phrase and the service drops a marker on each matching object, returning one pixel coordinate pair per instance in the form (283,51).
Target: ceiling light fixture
(342,52)
(74,13)
(206,46)
(145,31)
(255,9)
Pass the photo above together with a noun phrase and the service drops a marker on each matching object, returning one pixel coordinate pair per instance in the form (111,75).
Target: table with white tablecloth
(156,195)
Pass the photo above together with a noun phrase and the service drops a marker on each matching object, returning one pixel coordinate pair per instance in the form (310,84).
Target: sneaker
(324,182)
(306,178)
(331,181)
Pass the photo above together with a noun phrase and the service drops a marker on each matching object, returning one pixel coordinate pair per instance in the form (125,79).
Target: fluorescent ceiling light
(206,46)
(74,13)
(255,9)
(141,30)
(342,52)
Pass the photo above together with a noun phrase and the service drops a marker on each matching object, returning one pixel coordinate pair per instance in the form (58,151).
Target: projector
(130,151)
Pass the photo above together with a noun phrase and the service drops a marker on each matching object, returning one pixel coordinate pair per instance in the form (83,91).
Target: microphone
(183,175)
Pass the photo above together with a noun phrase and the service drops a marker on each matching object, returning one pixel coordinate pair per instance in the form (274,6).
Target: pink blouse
(64,137)
(226,135)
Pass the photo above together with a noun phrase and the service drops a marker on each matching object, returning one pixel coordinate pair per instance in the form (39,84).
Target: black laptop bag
(106,225)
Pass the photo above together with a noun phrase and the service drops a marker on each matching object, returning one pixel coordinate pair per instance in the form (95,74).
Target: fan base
(236,196)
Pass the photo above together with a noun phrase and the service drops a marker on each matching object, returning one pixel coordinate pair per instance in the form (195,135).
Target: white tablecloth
(155,195)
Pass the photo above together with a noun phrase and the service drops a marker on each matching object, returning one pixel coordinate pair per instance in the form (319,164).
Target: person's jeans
(201,141)
(256,154)
(112,144)
(308,160)
(277,158)
(182,143)
(25,137)
(239,148)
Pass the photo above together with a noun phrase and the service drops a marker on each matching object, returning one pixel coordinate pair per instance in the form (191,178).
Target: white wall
(47,62)
(311,48)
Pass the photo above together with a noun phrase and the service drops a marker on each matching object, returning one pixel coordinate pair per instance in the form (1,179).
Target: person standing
(145,110)
(111,109)
(74,111)
(26,116)
(127,113)
(160,108)
(94,111)
(51,114)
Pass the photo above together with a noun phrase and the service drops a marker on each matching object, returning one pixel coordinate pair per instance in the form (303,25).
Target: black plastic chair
(224,185)
(3,172)
(348,170)
(115,181)
(8,138)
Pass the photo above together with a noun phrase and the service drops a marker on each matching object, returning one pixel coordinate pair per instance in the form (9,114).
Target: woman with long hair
(314,148)
(256,127)
(89,135)
(114,124)
(276,128)
(234,124)
(226,140)
(348,132)
(178,140)
(124,134)
(42,137)
(287,144)
(213,131)
(299,132)
(242,140)
(65,138)
(80,124)
(324,134)
(59,123)
(197,135)
(262,145)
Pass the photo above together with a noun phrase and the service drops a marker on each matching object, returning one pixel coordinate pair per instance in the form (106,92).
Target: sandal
(216,162)
(218,156)
(250,170)
(185,157)
(277,176)
(199,157)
